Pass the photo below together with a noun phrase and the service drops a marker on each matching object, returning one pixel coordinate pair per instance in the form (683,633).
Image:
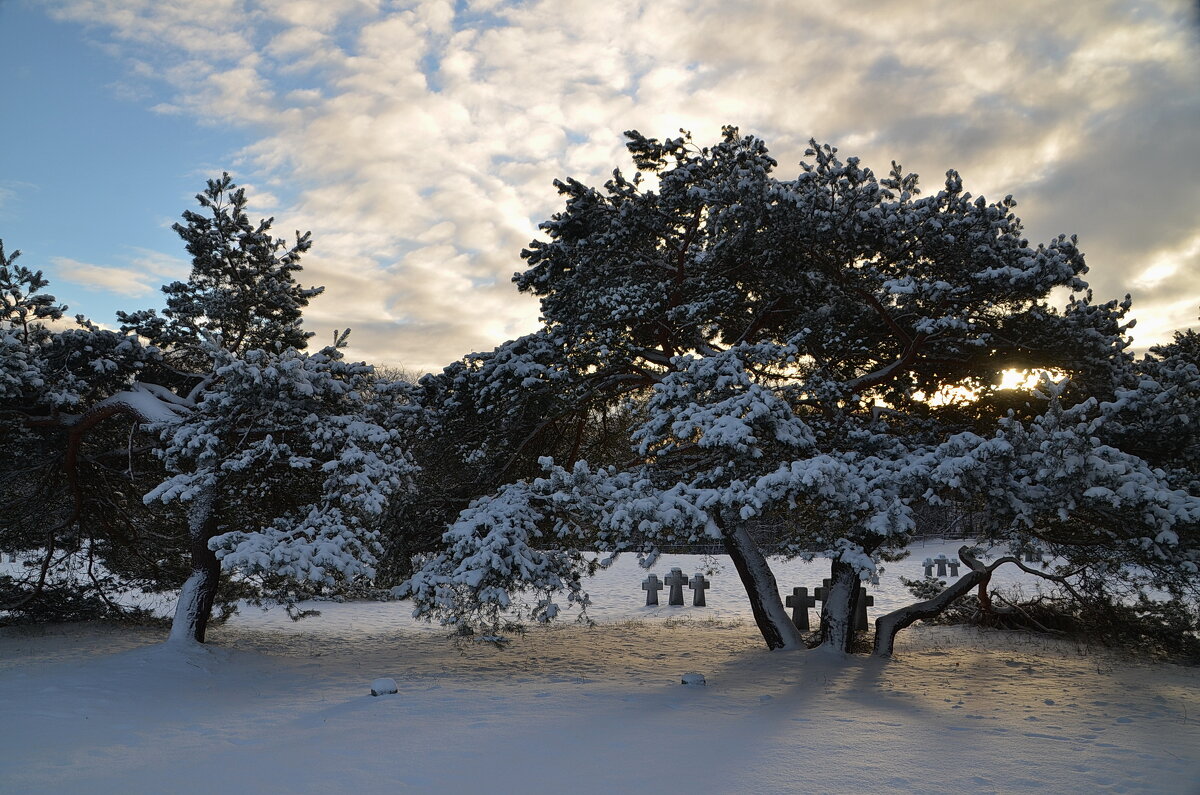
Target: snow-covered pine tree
(1115,522)
(284,460)
(242,288)
(66,476)
(1157,416)
(491,416)
(286,464)
(783,341)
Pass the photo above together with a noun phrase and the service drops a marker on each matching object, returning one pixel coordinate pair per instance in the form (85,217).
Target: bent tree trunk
(837,612)
(886,627)
(769,613)
(196,598)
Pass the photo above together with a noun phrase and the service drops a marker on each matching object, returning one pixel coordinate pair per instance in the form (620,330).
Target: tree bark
(199,592)
(769,613)
(886,627)
(837,611)
(985,598)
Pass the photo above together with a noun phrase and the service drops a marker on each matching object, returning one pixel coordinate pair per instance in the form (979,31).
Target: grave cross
(822,593)
(864,601)
(800,601)
(651,585)
(676,581)
(1033,555)
(954,564)
(860,614)
(698,584)
(941,562)
(928,567)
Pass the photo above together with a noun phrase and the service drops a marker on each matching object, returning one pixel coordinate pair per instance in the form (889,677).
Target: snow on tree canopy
(776,343)
(271,417)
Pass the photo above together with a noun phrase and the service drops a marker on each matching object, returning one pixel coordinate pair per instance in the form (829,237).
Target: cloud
(122,281)
(146,271)
(419,143)
(165,266)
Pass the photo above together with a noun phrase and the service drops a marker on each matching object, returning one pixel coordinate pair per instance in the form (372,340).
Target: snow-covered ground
(275,706)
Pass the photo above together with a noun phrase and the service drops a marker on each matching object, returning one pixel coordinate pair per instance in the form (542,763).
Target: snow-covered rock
(384,687)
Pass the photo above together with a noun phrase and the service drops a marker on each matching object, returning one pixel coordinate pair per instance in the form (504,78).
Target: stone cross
(941,562)
(651,585)
(954,564)
(822,593)
(928,567)
(860,615)
(676,581)
(698,584)
(800,601)
(1033,555)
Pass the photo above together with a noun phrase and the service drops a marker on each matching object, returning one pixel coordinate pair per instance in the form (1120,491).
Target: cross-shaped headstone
(928,567)
(698,584)
(954,564)
(822,593)
(941,562)
(676,581)
(800,601)
(1033,555)
(651,585)
(864,601)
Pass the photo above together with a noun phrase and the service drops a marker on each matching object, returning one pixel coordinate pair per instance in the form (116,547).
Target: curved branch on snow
(888,625)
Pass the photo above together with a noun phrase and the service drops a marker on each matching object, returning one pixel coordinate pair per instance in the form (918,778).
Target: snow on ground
(274,706)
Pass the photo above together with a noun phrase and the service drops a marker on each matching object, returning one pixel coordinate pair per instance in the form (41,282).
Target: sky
(418,140)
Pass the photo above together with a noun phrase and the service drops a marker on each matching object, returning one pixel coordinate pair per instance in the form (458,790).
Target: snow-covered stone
(384,687)
(692,679)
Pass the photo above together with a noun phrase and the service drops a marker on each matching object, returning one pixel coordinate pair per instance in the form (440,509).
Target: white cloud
(164,266)
(420,145)
(122,281)
(144,274)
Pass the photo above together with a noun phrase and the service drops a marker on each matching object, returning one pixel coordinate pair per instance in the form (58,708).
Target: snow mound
(384,687)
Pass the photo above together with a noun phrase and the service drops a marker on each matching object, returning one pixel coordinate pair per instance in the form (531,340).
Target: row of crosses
(800,601)
(675,581)
(1032,555)
(941,561)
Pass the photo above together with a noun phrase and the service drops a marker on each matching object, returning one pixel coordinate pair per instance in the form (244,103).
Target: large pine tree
(795,349)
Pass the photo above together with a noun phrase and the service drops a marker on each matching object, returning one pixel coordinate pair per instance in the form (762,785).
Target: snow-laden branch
(150,403)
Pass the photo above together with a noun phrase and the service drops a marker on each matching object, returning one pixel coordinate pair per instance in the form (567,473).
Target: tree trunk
(837,611)
(769,613)
(985,599)
(196,598)
(887,626)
